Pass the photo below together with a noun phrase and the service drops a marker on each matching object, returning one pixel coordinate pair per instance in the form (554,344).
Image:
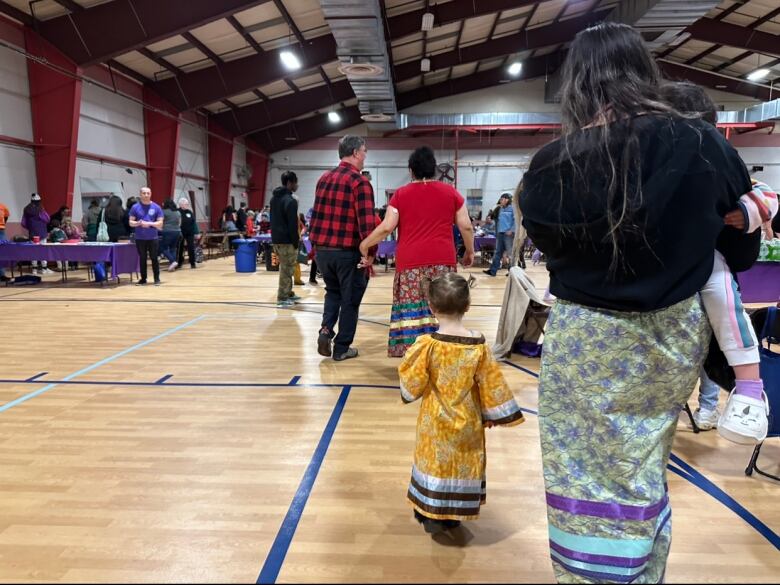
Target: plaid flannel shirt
(343,209)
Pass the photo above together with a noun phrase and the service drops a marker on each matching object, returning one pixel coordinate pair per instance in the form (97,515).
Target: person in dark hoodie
(189,229)
(284,236)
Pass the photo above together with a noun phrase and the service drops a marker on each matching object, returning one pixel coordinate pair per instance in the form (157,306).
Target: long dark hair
(114,210)
(609,76)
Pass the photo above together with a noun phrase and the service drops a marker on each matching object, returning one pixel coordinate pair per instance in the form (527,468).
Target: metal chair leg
(696,428)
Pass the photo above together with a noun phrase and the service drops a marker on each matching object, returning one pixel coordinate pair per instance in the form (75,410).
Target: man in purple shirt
(147,219)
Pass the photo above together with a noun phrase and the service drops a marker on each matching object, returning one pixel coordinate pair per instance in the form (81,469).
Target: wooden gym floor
(191,433)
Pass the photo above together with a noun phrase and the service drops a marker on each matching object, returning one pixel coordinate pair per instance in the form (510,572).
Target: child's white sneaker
(745,420)
(706,419)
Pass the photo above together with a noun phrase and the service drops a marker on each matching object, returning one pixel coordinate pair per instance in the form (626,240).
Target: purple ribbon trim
(624,562)
(606,510)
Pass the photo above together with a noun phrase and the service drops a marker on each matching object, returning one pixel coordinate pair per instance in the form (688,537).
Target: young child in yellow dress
(462,391)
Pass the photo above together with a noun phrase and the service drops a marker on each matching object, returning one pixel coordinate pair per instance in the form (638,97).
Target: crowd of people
(643,211)
(113,221)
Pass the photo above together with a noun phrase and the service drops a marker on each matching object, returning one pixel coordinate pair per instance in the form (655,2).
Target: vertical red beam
(55,102)
(162,130)
(258,162)
(220,167)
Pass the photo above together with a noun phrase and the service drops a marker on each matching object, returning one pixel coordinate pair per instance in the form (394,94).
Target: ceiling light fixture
(290,60)
(334,117)
(758,74)
(427,21)
(515,69)
(425,65)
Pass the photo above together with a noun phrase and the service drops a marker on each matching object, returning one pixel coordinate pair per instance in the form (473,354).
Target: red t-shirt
(426,214)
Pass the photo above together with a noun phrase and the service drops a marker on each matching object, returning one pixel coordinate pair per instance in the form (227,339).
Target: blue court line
(273,562)
(164,378)
(179,384)
(688,472)
(697,479)
(295,380)
(36,376)
(102,362)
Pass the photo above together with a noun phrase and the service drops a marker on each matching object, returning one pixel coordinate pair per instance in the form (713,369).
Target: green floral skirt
(611,388)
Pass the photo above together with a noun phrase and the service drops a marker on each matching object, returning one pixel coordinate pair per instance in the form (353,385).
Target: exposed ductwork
(661,22)
(361,47)
(766,112)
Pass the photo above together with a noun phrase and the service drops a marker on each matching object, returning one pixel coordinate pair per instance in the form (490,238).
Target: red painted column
(258,162)
(220,167)
(162,144)
(55,101)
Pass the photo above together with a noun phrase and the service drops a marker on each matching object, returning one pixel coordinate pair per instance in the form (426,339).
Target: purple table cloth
(760,284)
(123,257)
(487,241)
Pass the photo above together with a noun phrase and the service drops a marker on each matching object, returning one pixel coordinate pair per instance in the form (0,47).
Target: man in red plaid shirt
(343,216)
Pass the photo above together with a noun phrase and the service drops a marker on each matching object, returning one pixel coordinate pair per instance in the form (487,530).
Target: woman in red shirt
(424,212)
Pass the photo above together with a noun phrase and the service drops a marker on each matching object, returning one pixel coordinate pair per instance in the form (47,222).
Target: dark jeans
(187,240)
(151,247)
(170,245)
(313,271)
(345,285)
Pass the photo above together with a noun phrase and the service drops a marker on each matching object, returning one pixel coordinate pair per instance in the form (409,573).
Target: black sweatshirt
(690,178)
(284,217)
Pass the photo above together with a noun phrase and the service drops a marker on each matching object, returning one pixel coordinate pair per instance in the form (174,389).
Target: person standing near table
(4,215)
(171,234)
(189,229)
(36,221)
(505,232)
(146,218)
(285,236)
(343,216)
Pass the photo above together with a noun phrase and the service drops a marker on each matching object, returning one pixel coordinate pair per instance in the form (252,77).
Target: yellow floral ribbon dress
(462,389)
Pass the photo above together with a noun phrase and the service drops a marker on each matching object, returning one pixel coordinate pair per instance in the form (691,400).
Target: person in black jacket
(241,216)
(115,219)
(189,228)
(285,237)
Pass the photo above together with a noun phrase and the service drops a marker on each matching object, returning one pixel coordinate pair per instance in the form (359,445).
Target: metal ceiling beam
(725,33)
(532,69)
(211,84)
(289,20)
(535,38)
(99,33)
(203,48)
(16,14)
(714,81)
(70,5)
(256,117)
(244,33)
(409,22)
(165,64)
(300,131)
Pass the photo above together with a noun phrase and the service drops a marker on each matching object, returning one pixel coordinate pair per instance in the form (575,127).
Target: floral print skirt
(611,388)
(411,316)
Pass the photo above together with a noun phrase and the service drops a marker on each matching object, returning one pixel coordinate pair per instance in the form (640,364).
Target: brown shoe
(323,345)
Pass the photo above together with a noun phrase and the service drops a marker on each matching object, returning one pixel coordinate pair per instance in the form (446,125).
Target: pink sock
(752,388)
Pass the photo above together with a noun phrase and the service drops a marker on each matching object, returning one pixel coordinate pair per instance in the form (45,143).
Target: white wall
(15,114)
(389,170)
(239,162)
(17,164)
(93,176)
(111,125)
(769,158)
(17,179)
(193,159)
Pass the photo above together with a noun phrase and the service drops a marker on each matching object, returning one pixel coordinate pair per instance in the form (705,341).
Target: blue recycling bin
(246,255)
